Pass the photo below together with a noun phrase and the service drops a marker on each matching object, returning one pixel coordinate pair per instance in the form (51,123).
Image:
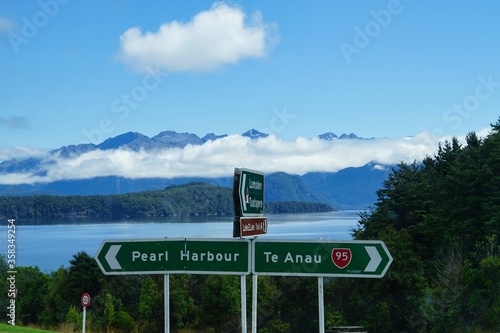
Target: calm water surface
(52,246)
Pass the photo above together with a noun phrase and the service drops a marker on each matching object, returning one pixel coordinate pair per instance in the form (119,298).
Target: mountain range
(167,139)
(350,188)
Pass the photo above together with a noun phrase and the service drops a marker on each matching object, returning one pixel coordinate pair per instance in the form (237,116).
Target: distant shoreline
(80,220)
(193,199)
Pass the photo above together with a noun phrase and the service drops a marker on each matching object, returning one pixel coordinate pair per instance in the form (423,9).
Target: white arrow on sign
(375,259)
(242,193)
(111,257)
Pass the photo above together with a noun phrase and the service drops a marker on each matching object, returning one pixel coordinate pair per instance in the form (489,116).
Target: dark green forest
(439,218)
(176,200)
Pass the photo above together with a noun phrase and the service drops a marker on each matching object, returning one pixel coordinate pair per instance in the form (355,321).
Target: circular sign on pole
(85,300)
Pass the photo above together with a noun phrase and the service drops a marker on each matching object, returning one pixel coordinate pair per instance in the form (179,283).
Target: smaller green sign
(162,256)
(367,259)
(250,192)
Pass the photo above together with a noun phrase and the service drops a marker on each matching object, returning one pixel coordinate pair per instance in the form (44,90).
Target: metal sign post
(166,302)
(85,299)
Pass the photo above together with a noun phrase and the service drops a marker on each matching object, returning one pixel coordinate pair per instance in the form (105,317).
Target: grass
(6,328)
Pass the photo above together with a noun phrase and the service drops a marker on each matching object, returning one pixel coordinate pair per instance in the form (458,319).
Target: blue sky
(81,71)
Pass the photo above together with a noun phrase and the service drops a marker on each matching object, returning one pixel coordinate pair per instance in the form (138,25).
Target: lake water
(52,246)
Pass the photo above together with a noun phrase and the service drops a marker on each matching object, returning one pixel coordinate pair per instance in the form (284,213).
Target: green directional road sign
(248,192)
(176,255)
(365,259)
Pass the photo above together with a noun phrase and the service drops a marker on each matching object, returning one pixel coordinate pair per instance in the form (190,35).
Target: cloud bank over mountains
(213,158)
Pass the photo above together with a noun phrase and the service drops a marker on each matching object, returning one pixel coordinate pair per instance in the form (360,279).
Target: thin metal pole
(166,301)
(254,303)
(321,306)
(84,318)
(243,304)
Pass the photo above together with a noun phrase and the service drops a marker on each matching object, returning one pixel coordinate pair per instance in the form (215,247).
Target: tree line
(440,219)
(177,200)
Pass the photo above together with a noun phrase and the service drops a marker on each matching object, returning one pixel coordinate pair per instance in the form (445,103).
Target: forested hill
(176,200)
(440,219)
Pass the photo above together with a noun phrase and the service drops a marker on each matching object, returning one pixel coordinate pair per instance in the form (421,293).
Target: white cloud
(483,132)
(379,167)
(219,158)
(8,153)
(219,36)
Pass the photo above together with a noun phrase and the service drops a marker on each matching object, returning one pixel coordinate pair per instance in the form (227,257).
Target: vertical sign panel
(248,199)
(251,192)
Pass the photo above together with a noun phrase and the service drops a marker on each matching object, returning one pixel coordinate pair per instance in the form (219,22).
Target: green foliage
(4,286)
(7,328)
(31,284)
(218,305)
(84,275)
(445,299)
(189,199)
(293,302)
(176,200)
(108,314)
(65,287)
(277,326)
(74,318)
(334,318)
(182,307)
(150,318)
(55,306)
(440,220)
(269,298)
(124,322)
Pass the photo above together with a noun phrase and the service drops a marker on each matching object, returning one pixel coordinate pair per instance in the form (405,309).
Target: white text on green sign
(367,259)
(251,192)
(161,256)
